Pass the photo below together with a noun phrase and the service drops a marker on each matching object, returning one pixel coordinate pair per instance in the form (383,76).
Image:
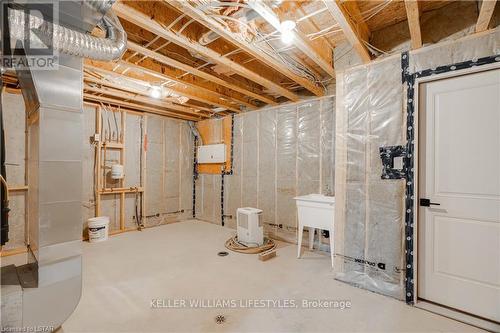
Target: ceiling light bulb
(287,37)
(287,25)
(155,91)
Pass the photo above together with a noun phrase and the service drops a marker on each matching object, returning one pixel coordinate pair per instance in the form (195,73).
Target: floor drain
(220,319)
(222,253)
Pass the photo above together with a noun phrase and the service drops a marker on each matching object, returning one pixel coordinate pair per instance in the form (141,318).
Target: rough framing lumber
(485,14)
(139,107)
(194,93)
(213,25)
(300,40)
(192,70)
(133,97)
(138,18)
(349,28)
(206,129)
(413,13)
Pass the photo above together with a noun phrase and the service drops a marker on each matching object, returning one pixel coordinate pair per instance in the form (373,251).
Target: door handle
(427,203)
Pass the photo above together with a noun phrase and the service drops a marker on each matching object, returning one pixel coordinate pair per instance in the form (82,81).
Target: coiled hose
(233,245)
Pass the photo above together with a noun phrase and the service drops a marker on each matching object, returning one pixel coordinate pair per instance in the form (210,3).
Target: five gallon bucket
(98,228)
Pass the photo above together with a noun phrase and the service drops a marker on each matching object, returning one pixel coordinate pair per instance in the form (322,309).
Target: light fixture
(286,29)
(155,92)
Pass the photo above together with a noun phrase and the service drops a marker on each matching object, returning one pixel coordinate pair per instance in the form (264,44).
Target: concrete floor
(179,261)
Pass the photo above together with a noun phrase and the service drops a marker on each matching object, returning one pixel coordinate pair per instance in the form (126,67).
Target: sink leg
(299,241)
(311,238)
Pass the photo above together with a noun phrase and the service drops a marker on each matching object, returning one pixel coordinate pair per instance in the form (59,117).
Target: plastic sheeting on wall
(278,153)
(14,127)
(371,113)
(169,171)
(369,210)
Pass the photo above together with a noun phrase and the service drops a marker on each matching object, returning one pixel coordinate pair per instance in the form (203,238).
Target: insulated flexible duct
(73,42)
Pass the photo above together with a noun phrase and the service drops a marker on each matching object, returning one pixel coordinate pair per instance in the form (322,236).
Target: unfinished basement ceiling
(200,59)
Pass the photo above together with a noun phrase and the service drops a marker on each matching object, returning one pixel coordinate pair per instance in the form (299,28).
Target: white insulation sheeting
(369,210)
(14,127)
(169,170)
(278,153)
(371,112)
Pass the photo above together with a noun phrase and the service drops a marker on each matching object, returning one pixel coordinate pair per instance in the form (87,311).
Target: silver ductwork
(46,290)
(76,43)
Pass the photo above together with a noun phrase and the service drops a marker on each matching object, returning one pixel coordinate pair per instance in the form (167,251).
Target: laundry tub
(315,211)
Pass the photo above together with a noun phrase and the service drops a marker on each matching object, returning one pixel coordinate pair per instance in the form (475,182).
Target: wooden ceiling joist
(142,20)
(138,107)
(352,34)
(146,100)
(197,94)
(300,41)
(197,72)
(485,14)
(413,13)
(214,26)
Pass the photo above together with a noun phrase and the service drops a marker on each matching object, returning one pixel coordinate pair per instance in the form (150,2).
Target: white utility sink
(316,211)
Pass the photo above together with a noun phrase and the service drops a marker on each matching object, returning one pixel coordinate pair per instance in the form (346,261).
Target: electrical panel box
(212,153)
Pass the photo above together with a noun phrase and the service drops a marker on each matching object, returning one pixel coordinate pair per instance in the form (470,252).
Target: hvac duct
(45,291)
(74,42)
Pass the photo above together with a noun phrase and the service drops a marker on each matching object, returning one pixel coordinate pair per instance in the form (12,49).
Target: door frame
(421,303)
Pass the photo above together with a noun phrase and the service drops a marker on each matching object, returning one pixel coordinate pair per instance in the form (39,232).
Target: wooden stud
(142,108)
(413,13)
(342,17)
(300,41)
(138,18)
(234,85)
(264,256)
(127,96)
(213,25)
(485,14)
(194,93)
(18,188)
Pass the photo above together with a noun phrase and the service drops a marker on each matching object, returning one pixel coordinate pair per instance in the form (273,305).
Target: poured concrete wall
(169,168)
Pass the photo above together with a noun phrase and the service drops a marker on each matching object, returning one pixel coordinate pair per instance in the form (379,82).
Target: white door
(459,168)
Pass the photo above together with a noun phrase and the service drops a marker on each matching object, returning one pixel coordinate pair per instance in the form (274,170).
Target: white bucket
(98,228)
(117,171)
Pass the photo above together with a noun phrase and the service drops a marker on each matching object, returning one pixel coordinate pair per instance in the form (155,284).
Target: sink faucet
(328,192)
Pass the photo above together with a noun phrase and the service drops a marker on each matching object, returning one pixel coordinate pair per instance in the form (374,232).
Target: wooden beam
(138,107)
(138,18)
(300,41)
(146,100)
(181,89)
(192,70)
(348,26)
(213,25)
(98,73)
(194,85)
(485,14)
(413,14)
(105,83)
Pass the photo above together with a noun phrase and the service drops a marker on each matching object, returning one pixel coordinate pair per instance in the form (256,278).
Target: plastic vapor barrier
(369,209)
(371,113)
(169,170)
(278,153)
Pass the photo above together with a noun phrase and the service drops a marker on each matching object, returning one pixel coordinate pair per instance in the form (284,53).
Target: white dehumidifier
(249,226)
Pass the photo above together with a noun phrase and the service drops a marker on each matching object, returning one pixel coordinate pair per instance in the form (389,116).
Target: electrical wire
(234,245)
